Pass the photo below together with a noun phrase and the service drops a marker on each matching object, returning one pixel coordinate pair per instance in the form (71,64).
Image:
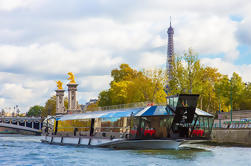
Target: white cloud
(55,59)
(105,33)
(2,101)
(213,35)
(8,5)
(41,41)
(228,68)
(16,92)
(95,83)
(151,60)
(86,96)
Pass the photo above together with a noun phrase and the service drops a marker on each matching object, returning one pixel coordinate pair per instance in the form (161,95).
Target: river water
(27,150)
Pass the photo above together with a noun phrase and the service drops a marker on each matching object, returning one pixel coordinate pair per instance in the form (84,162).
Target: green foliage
(129,86)
(215,89)
(35,111)
(189,76)
(245,101)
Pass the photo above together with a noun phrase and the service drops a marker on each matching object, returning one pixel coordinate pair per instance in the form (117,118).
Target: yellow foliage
(131,86)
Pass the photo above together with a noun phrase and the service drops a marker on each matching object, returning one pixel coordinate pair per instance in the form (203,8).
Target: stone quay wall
(5,130)
(240,136)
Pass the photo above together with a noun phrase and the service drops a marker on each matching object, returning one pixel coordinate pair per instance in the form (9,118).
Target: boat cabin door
(184,106)
(92,127)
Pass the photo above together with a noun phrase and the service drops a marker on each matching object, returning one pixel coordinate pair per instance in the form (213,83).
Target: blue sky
(42,40)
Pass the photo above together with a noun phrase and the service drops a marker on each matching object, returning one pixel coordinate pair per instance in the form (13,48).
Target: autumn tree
(189,76)
(50,106)
(129,86)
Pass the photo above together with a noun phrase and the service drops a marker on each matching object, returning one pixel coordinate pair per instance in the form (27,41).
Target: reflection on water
(29,151)
(182,153)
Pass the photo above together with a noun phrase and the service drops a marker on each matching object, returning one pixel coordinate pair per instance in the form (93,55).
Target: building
(84,107)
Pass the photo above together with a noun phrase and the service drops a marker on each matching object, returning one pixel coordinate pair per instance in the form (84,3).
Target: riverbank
(231,137)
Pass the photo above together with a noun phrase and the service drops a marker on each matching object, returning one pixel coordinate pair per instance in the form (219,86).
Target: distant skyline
(41,41)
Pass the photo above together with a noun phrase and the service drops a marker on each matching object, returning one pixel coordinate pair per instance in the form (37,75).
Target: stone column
(32,124)
(72,97)
(60,102)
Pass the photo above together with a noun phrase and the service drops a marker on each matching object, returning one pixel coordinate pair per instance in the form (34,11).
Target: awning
(144,111)
(102,114)
(202,113)
(154,110)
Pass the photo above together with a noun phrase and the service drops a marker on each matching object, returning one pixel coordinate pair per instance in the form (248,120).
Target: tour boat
(142,127)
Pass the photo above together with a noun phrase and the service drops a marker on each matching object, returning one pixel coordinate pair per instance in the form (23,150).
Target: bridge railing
(123,106)
(29,122)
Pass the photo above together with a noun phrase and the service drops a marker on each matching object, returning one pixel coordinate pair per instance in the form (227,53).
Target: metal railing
(122,106)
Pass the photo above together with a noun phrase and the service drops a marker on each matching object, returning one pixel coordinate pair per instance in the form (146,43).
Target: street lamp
(219,116)
(231,100)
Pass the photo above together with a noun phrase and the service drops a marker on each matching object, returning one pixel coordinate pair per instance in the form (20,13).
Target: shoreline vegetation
(188,76)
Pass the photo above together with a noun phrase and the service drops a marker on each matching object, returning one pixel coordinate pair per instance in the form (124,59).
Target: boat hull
(114,143)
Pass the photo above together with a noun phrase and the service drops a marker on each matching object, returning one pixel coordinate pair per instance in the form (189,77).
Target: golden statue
(72,78)
(59,85)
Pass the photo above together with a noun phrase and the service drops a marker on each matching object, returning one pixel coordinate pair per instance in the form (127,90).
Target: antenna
(170,21)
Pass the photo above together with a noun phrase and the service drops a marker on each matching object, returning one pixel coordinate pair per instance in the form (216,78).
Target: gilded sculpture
(59,85)
(71,78)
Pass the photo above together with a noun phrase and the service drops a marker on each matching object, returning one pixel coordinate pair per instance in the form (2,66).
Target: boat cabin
(178,119)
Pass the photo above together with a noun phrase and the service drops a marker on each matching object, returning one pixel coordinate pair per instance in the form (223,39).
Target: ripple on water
(29,151)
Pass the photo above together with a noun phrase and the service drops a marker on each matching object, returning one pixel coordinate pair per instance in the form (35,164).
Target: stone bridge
(21,125)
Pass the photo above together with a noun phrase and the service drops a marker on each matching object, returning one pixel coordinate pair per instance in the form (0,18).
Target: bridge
(21,125)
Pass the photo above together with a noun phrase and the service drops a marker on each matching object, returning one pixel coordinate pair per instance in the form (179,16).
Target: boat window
(173,101)
(168,111)
(111,124)
(151,127)
(187,101)
(74,127)
(211,121)
(203,126)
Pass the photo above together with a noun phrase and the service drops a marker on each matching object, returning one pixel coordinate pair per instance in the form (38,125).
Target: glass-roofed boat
(143,127)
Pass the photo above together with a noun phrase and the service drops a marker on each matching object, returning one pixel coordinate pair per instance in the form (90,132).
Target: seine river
(29,151)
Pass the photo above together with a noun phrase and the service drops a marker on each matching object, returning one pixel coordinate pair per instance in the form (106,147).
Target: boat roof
(202,113)
(142,111)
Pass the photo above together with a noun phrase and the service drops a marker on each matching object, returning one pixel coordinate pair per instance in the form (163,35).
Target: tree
(130,86)
(35,111)
(91,107)
(245,100)
(189,76)
(50,106)
(237,87)
(105,98)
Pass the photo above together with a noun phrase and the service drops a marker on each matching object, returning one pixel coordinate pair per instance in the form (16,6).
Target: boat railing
(123,106)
